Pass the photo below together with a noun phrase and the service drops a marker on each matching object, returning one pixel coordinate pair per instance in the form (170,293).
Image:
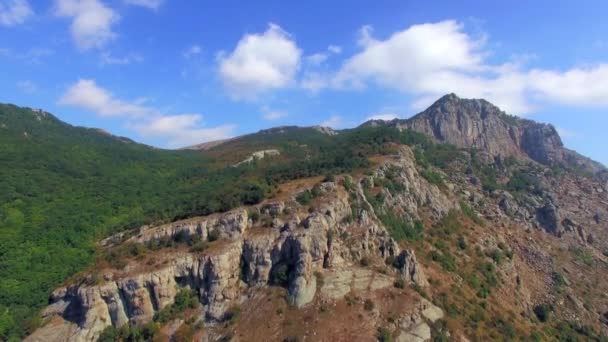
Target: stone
(419,333)
(548,217)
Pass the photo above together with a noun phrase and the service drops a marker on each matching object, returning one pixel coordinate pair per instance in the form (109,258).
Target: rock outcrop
(340,230)
(478,124)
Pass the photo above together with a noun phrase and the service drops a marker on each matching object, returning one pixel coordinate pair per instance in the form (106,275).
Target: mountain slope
(473,123)
(65,187)
(333,206)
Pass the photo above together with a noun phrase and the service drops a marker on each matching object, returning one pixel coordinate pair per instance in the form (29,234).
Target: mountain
(476,123)
(460,223)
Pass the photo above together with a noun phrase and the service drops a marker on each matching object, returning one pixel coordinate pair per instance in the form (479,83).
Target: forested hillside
(62,188)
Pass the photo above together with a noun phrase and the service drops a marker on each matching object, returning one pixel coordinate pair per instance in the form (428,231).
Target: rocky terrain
(502,237)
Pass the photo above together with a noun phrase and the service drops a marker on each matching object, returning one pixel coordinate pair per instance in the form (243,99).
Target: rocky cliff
(407,249)
(478,124)
(295,241)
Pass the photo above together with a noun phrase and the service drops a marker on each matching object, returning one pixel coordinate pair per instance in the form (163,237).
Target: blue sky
(172,73)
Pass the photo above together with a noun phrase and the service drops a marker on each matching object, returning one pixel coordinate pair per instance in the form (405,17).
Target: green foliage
(433,177)
(383,335)
(496,255)
(445,259)
(184,299)
(583,255)
(469,212)
(280,275)
(304,197)
(523,181)
(542,311)
(129,333)
(62,188)
(462,243)
(400,229)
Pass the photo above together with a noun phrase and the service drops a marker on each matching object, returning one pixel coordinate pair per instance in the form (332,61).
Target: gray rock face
(410,269)
(246,256)
(472,123)
(549,218)
(468,123)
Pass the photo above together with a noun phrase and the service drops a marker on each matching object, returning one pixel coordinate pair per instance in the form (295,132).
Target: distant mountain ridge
(478,124)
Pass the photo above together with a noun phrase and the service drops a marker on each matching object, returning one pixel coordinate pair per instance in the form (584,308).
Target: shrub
(213,235)
(365,261)
(184,299)
(232,314)
(280,275)
(368,305)
(384,335)
(198,247)
(542,311)
(462,243)
(304,197)
(433,177)
(400,283)
(329,178)
(400,229)
(496,255)
(254,215)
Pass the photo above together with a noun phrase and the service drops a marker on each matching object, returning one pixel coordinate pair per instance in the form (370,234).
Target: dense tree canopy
(63,187)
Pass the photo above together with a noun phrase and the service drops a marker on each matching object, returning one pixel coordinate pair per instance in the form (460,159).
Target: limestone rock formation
(248,256)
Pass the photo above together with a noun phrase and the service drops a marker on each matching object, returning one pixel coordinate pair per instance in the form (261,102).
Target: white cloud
(334,49)
(433,59)
(108,59)
(382,116)
(269,114)
(334,121)
(577,86)
(27,86)
(260,62)
(175,130)
(14,12)
(317,58)
(192,51)
(87,94)
(151,4)
(182,130)
(91,24)
(320,57)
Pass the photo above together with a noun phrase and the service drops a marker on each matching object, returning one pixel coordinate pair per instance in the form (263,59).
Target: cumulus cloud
(182,130)
(14,12)
(260,62)
(320,57)
(577,86)
(175,130)
(88,95)
(91,24)
(151,4)
(433,59)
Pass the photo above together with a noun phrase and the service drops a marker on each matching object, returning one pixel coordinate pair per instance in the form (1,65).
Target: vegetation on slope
(62,188)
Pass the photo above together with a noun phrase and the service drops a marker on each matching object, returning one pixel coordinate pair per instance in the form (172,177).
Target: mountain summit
(478,124)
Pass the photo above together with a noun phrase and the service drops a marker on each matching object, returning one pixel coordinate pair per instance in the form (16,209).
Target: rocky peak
(478,124)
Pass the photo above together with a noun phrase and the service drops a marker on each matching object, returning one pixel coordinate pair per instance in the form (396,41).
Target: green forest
(62,188)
